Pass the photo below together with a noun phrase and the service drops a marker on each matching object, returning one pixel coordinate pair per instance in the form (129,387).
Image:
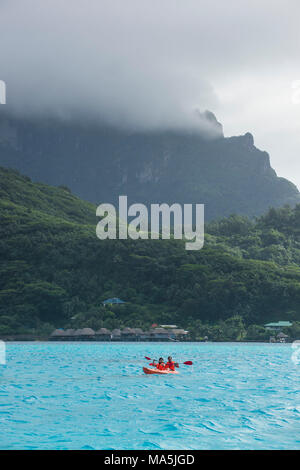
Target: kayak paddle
(187,363)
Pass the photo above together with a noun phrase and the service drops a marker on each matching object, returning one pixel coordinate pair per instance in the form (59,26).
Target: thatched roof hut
(127,331)
(78,332)
(137,331)
(58,333)
(87,332)
(84,333)
(116,332)
(103,331)
(145,335)
(69,332)
(282,335)
(103,334)
(160,332)
(68,335)
(179,332)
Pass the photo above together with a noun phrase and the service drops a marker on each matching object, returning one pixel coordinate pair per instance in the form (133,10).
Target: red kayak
(149,370)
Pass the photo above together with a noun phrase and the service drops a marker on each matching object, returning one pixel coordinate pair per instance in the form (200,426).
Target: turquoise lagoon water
(95,396)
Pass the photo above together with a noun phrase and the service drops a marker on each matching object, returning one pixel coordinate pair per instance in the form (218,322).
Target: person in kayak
(171,364)
(160,365)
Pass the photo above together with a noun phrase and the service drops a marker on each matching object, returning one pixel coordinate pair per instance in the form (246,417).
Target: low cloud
(146,64)
(115,61)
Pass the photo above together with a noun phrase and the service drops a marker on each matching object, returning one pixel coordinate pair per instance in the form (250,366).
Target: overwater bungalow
(103,335)
(282,337)
(88,334)
(69,334)
(127,334)
(178,333)
(57,335)
(138,332)
(84,334)
(116,335)
(159,334)
(145,336)
(132,334)
(77,334)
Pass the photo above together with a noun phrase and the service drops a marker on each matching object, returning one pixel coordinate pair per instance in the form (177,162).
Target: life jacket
(160,366)
(170,365)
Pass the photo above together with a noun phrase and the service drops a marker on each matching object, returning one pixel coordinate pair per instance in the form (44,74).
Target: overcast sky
(149,64)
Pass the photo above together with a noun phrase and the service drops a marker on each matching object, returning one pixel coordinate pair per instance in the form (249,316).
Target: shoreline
(16,340)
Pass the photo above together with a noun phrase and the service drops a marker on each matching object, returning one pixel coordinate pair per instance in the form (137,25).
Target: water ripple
(95,396)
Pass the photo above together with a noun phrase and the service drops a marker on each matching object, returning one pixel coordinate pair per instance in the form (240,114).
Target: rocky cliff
(229,175)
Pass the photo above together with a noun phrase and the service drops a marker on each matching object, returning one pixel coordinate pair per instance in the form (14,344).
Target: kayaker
(160,365)
(171,364)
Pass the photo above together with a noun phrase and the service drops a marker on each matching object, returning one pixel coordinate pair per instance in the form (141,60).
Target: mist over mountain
(99,163)
(146,66)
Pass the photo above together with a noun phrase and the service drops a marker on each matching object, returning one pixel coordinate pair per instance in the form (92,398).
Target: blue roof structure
(113,300)
(279,324)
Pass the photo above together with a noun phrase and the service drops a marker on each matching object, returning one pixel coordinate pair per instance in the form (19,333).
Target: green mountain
(56,273)
(228,175)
